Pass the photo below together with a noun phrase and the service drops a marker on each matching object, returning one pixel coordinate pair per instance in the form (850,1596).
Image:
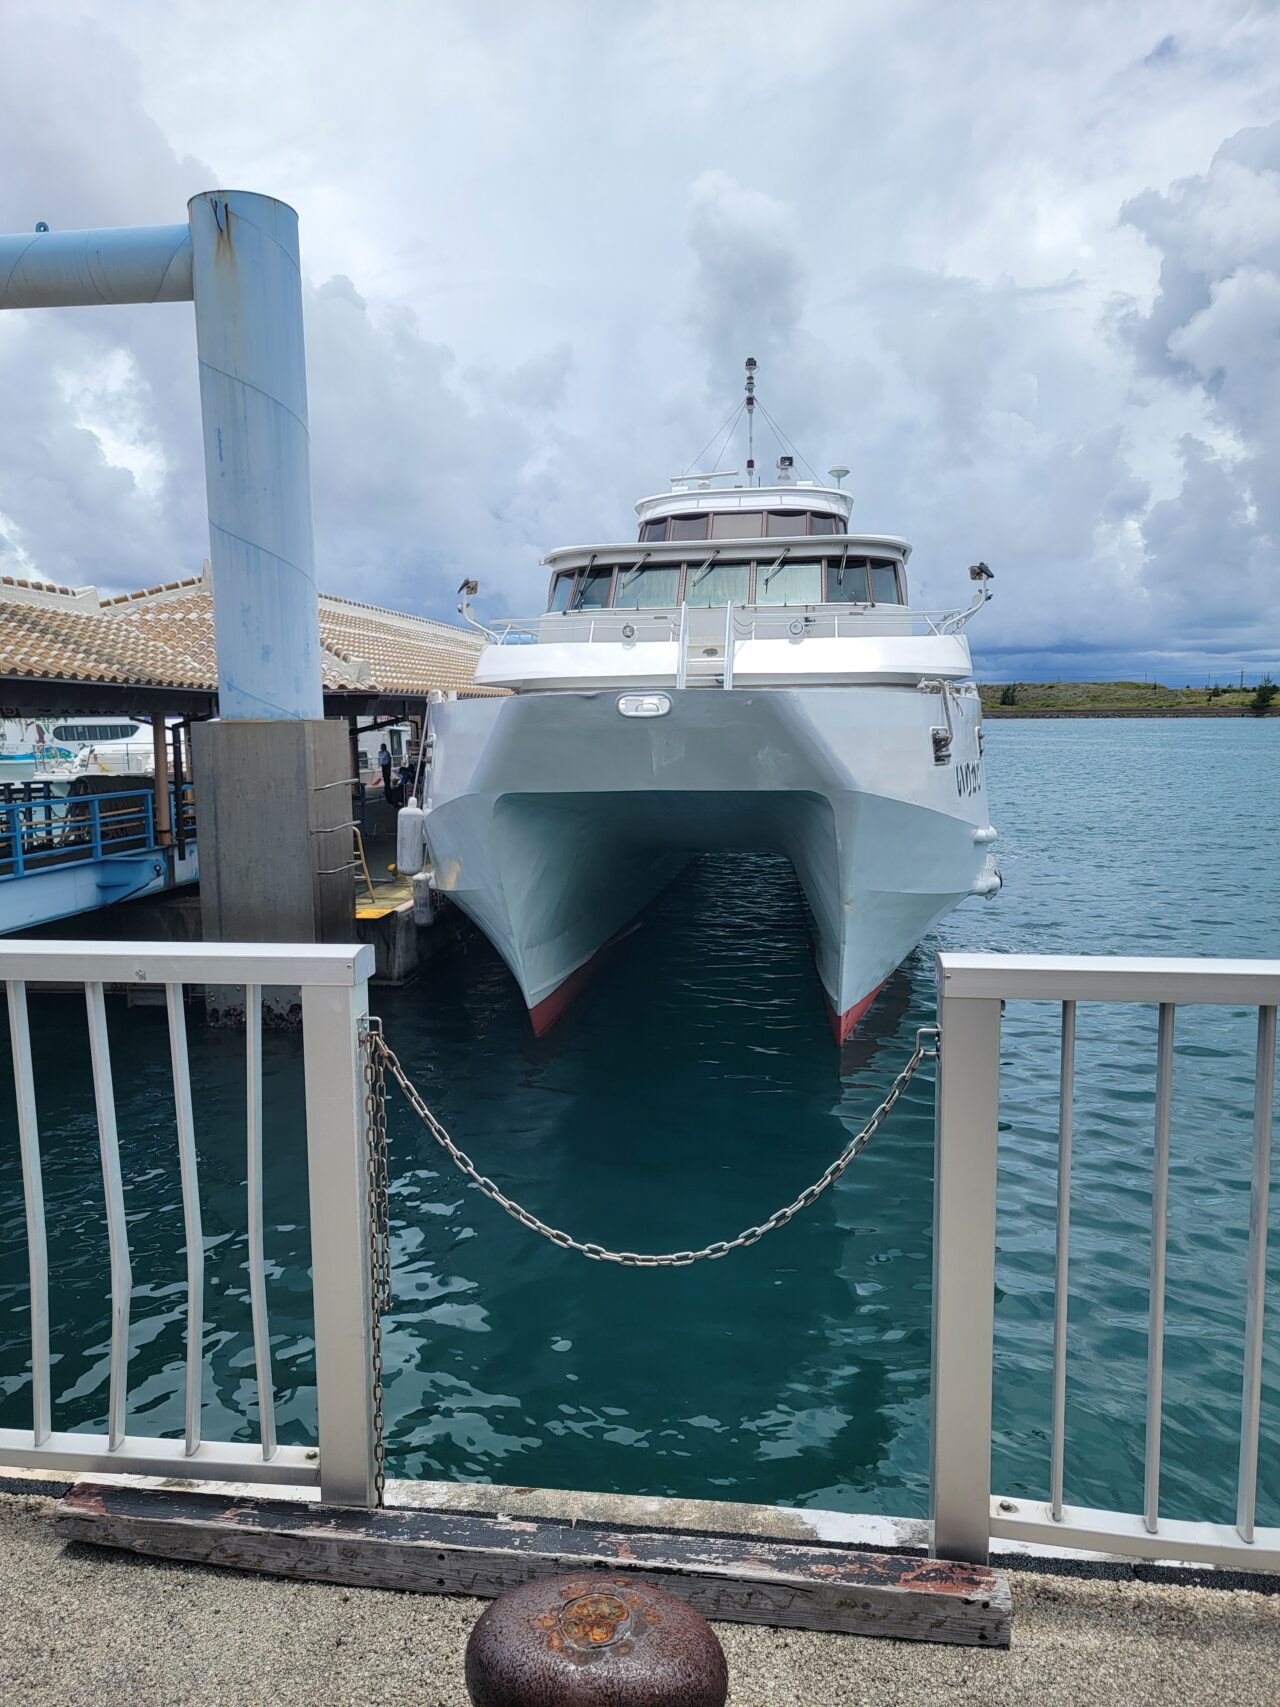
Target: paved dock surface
(81,1624)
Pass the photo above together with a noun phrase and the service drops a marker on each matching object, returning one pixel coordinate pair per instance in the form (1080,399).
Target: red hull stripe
(545,1013)
(843,1024)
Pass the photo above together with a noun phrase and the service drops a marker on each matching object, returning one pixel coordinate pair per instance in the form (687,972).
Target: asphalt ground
(81,1624)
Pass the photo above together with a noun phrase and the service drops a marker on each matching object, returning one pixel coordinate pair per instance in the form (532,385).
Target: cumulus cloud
(1020,272)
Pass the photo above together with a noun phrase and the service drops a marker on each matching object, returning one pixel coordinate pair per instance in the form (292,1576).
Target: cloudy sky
(1017,265)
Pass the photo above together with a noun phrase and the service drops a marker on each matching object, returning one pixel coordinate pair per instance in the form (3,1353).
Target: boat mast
(751,420)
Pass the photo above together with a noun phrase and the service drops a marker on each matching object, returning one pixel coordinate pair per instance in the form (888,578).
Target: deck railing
(50,831)
(794,622)
(333,984)
(972,990)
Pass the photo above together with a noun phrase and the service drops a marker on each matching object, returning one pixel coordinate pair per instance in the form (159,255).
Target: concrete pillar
(274,806)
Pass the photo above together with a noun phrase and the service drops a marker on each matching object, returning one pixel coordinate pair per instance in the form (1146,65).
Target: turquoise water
(692,1090)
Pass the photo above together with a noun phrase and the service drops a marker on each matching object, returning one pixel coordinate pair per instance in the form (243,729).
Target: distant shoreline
(992,712)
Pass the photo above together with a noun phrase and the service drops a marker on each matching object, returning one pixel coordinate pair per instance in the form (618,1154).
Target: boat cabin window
(884,584)
(860,581)
(741,524)
(561,589)
(718,584)
(644,587)
(94,731)
(689,527)
(731,524)
(790,582)
(593,589)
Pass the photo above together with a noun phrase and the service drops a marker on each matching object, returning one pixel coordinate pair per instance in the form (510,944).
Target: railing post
(332,1018)
(95,825)
(14,815)
(964,1234)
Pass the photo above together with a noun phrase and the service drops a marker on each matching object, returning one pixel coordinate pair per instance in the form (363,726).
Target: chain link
(379,1213)
(926,1048)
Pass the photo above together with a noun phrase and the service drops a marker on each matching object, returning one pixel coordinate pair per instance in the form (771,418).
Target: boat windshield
(715,583)
(647,586)
(593,589)
(790,582)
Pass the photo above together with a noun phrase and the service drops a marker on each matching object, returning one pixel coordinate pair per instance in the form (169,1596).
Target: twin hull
(553,819)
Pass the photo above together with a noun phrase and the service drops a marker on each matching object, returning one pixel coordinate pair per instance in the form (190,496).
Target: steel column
(257,454)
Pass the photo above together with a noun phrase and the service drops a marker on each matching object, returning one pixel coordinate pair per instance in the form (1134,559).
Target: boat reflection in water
(749,674)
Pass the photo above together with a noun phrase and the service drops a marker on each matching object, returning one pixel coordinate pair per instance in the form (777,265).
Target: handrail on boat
(742,622)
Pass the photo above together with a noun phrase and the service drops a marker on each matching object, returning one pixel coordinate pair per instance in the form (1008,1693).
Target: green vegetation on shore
(1011,698)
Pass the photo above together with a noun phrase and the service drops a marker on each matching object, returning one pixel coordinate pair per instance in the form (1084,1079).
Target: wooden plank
(737,1579)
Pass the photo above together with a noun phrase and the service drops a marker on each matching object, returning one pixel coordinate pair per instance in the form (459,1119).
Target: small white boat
(748,674)
(59,750)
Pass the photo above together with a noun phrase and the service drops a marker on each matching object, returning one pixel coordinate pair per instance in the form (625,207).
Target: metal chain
(924,1050)
(375,1115)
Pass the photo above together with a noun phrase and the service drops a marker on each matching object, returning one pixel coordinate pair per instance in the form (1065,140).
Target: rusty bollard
(594,1641)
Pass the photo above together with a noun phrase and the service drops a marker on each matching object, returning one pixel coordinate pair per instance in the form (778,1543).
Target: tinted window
(784,521)
(884,584)
(847,581)
(560,590)
(732,524)
(789,583)
(641,589)
(825,524)
(594,587)
(654,530)
(721,584)
(689,527)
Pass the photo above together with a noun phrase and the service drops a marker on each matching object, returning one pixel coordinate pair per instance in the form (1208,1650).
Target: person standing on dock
(384,761)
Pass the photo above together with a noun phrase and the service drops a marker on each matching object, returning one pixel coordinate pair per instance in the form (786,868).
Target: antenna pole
(751,420)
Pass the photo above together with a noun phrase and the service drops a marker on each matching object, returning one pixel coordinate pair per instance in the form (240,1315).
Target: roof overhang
(681,550)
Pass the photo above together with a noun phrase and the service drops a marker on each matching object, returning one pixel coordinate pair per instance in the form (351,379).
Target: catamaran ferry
(748,674)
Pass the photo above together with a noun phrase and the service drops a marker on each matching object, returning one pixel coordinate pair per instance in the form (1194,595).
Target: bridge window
(884,584)
(643,588)
(593,589)
(718,584)
(561,589)
(790,582)
(785,522)
(847,581)
(825,524)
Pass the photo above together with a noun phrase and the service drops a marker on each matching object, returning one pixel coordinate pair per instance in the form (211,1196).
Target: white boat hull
(553,820)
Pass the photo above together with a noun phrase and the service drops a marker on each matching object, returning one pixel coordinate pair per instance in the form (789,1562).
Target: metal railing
(50,831)
(333,983)
(793,622)
(966,1516)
